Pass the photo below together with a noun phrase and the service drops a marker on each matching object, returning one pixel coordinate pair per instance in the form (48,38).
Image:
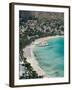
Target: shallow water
(51,57)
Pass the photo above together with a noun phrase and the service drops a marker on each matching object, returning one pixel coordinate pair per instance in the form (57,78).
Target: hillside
(34,25)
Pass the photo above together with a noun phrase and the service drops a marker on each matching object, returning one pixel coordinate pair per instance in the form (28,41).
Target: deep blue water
(51,57)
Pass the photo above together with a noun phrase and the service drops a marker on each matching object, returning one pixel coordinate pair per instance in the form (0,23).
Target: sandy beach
(28,53)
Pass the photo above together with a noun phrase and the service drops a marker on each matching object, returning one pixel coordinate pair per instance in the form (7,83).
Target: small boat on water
(43,45)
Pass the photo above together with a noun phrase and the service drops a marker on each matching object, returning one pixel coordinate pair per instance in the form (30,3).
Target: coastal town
(33,26)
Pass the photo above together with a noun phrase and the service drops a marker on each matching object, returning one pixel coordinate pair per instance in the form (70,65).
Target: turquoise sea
(51,57)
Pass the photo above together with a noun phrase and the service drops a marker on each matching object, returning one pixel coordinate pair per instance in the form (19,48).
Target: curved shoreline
(31,59)
(28,53)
